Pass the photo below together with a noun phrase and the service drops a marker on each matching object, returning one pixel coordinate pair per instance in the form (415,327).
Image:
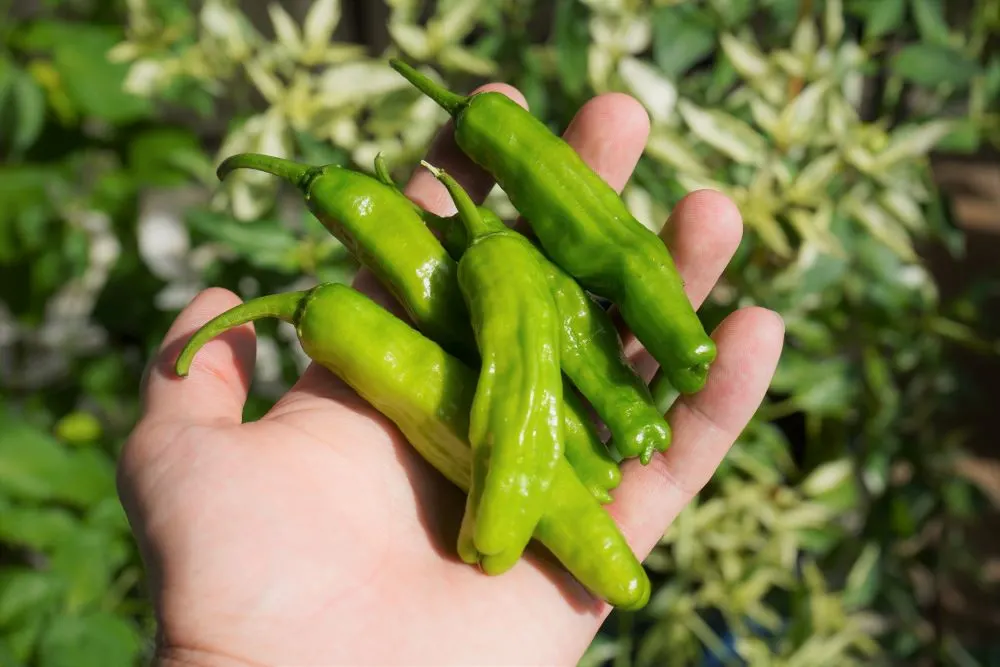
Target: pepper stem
(382,172)
(284,306)
(468,212)
(447,100)
(295,173)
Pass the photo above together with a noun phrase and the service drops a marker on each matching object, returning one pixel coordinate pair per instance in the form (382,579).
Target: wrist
(179,657)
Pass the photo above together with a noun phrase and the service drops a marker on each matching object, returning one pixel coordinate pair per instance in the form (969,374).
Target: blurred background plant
(842,522)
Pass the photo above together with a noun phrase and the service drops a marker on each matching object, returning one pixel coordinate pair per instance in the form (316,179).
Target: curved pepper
(590,354)
(581,444)
(428,394)
(582,224)
(382,230)
(515,427)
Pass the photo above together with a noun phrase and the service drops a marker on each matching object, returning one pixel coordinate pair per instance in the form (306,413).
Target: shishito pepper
(428,394)
(384,230)
(590,352)
(515,427)
(582,223)
(590,355)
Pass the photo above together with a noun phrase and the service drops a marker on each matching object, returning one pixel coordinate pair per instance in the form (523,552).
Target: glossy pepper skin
(582,224)
(428,394)
(582,446)
(590,355)
(516,423)
(381,229)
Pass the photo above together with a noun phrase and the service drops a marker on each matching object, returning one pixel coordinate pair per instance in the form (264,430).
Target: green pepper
(386,232)
(382,230)
(590,353)
(428,394)
(516,422)
(581,444)
(582,223)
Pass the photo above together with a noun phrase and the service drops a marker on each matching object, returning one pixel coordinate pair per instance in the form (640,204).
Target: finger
(215,389)
(430,193)
(609,132)
(703,233)
(705,426)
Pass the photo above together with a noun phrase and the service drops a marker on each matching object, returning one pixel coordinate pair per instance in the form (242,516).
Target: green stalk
(285,307)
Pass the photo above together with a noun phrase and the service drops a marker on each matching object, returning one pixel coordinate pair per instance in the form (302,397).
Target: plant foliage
(813,545)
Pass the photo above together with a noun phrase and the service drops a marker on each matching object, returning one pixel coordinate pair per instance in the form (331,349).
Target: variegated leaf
(285,28)
(357,82)
(668,148)
(913,142)
(265,81)
(319,24)
(833,21)
(725,133)
(656,93)
(814,229)
(811,183)
(455,23)
(745,57)
(457,57)
(903,207)
(411,39)
(769,230)
(802,117)
(765,115)
(599,67)
(882,226)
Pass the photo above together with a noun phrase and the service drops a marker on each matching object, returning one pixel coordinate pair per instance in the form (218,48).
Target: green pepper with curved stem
(516,423)
(590,354)
(581,444)
(428,394)
(582,223)
(382,230)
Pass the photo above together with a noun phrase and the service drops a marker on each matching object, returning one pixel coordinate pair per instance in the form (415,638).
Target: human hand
(318,536)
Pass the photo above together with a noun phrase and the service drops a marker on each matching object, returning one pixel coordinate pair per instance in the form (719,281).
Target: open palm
(317,535)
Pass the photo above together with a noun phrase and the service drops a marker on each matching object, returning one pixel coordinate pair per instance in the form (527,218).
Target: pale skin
(317,536)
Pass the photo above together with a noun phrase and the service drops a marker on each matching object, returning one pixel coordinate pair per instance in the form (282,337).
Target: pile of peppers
(507,345)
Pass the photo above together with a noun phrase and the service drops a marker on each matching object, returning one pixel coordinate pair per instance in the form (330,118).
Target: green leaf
(571,39)
(108,516)
(264,243)
(862,582)
(26,594)
(92,81)
(34,465)
(29,101)
(681,38)
(21,639)
(966,137)
(37,528)
(733,12)
(931,23)
(87,560)
(8,74)
(934,65)
(991,88)
(884,16)
(154,155)
(95,640)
